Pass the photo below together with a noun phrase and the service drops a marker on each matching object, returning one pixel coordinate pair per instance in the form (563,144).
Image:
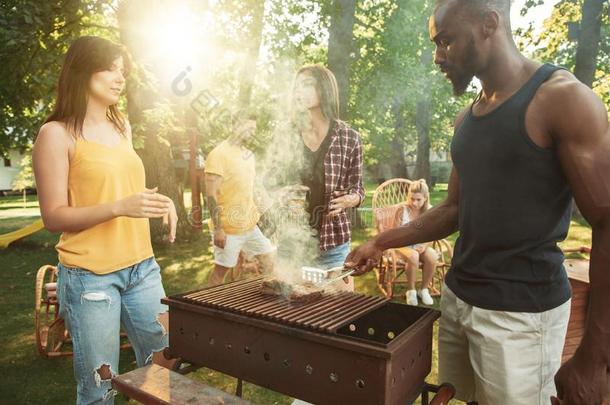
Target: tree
(422,126)
(399,100)
(588,57)
(35,36)
(340,47)
(553,43)
(153,122)
(254,37)
(25,178)
(398,165)
(588,41)
(296,32)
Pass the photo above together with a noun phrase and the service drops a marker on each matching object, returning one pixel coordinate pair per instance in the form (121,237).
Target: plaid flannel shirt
(342,171)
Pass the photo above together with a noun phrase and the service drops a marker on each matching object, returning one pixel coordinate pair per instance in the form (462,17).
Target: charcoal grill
(344,348)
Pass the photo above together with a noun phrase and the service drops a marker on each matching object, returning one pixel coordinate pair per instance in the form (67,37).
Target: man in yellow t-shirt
(229,179)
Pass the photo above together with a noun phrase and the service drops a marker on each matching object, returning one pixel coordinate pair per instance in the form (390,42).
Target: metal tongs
(340,276)
(313,274)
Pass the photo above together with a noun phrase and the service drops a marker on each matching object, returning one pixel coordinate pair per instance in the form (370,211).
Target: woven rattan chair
(52,337)
(391,269)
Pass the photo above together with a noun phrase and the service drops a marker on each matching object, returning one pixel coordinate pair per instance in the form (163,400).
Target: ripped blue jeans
(95,306)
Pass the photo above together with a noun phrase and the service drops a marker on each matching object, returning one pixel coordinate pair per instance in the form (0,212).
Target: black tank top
(514,206)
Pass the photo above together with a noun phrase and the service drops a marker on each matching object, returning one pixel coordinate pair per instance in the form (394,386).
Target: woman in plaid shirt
(333,163)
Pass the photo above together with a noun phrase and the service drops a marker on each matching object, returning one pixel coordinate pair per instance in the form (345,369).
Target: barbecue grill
(342,348)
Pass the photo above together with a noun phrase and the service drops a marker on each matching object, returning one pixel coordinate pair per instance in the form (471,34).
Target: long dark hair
(326,86)
(86,56)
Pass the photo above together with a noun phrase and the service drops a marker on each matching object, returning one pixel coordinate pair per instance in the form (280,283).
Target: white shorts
(253,243)
(500,358)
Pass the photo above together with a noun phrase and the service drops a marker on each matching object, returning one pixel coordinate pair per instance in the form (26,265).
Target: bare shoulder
(563,94)
(53,128)
(572,108)
(562,84)
(54,135)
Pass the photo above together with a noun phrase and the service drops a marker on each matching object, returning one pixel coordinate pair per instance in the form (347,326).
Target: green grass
(16,201)
(30,379)
(13,207)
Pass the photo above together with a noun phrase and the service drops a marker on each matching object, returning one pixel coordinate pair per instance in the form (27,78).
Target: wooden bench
(154,384)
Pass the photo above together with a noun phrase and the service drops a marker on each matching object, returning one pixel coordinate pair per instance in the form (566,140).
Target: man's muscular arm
(578,124)
(436,223)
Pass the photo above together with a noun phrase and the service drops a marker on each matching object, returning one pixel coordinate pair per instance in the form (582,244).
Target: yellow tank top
(101,174)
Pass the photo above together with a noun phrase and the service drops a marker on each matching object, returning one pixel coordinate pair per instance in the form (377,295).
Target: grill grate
(326,314)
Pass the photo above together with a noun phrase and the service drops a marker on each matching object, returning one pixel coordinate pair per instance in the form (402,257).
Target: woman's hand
(147,204)
(171,220)
(342,200)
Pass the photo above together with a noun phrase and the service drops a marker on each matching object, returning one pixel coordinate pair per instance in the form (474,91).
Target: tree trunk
(586,52)
(340,47)
(141,95)
(422,125)
(397,154)
(588,41)
(253,47)
(422,122)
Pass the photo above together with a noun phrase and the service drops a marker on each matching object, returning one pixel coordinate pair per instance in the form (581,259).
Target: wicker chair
(52,337)
(391,269)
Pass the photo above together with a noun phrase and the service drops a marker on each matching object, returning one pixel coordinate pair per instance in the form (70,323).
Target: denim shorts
(333,257)
(95,307)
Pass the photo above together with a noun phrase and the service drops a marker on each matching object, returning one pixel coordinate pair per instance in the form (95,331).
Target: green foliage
(552,44)
(162,119)
(296,30)
(391,69)
(25,177)
(393,72)
(387,73)
(35,36)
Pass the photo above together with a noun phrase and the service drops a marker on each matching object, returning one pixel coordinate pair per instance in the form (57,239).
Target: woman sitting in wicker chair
(418,201)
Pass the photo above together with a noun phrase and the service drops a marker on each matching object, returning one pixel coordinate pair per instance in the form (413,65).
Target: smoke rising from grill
(283,196)
(295,239)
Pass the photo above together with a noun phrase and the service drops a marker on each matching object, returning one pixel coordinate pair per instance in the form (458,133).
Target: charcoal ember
(302,293)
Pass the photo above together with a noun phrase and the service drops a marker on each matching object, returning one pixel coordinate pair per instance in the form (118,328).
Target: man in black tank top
(534,138)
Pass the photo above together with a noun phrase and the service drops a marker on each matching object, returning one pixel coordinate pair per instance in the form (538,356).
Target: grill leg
(424,397)
(425,393)
(239,388)
(443,393)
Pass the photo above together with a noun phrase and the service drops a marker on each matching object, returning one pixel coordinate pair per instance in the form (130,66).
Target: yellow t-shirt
(236,166)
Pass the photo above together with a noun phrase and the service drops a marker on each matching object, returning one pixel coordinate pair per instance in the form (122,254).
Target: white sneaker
(426,299)
(411,296)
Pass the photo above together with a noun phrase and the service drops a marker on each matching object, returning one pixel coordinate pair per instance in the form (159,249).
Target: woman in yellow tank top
(91,187)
